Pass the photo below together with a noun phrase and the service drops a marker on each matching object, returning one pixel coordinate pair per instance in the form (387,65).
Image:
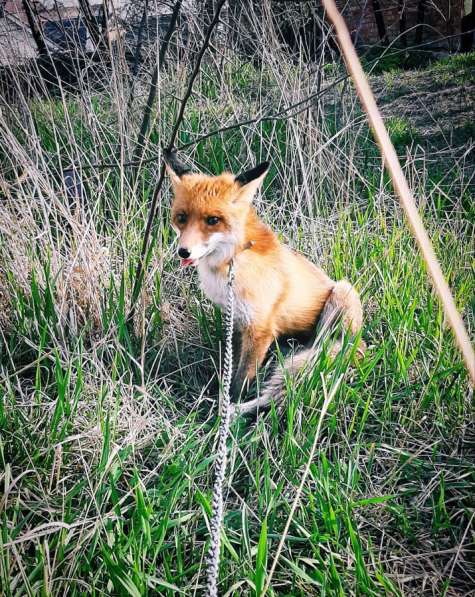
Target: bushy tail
(342,305)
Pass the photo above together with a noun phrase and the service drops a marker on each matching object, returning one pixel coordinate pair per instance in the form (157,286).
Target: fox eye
(212,220)
(181,218)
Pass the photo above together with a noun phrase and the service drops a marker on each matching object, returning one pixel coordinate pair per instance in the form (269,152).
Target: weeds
(108,433)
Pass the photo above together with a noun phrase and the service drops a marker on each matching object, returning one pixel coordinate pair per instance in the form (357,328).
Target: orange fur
(278,290)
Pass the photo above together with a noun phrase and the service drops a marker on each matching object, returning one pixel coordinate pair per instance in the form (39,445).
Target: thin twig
(153,206)
(138,46)
(283,115)
(140,146)
(33,22)
(91,24)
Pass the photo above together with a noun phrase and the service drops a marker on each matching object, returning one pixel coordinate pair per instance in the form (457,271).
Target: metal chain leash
(221,455)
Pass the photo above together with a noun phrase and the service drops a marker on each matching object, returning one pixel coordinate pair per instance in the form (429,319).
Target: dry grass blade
(328,397)
(107,430)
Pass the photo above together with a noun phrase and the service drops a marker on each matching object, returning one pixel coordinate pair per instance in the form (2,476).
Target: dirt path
(438,102)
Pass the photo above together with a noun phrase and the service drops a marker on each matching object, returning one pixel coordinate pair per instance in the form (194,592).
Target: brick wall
(441,20)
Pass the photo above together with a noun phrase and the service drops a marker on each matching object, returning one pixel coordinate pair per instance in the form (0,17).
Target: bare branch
(139,146)
(139,274)
(37,34)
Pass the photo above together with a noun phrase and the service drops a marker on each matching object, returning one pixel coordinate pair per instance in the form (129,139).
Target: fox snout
(183,253)
(216,247)
(192,247)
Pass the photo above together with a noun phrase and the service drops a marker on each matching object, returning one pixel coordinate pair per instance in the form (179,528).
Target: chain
(221,455)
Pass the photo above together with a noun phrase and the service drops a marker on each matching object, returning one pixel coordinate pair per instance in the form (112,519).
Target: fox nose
(184,253)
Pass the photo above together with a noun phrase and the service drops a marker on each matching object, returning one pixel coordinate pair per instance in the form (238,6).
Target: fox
(278,292)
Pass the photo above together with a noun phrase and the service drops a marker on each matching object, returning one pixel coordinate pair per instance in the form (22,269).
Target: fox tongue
(186,262)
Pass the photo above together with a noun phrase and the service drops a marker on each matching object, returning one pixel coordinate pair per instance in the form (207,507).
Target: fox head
(209,212)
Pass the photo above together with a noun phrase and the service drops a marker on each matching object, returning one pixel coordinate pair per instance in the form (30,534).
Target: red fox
(277,291)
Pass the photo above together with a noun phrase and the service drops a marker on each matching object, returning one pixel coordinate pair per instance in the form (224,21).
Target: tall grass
(108,432)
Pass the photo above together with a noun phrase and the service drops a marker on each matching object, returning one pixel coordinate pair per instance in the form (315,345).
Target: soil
(438,104)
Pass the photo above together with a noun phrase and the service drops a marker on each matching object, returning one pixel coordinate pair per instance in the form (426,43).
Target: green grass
(401,131)
(453,68)
(107,434)
(459,68)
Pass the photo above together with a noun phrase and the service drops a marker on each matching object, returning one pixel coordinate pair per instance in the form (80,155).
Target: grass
(401,131)
(108,433)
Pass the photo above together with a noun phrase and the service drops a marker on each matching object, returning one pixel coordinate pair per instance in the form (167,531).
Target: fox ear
(250,180)
(174,167)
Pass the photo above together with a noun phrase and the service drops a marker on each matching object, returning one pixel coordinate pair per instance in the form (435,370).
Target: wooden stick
(401,187)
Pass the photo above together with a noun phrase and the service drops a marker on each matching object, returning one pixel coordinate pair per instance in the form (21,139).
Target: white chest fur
(214,285)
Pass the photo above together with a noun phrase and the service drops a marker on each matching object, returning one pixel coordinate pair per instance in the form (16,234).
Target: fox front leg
(254,346)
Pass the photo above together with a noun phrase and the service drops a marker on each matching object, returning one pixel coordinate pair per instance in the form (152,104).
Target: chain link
(221,455)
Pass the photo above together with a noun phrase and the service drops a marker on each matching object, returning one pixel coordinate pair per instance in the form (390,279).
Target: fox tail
(344,305)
